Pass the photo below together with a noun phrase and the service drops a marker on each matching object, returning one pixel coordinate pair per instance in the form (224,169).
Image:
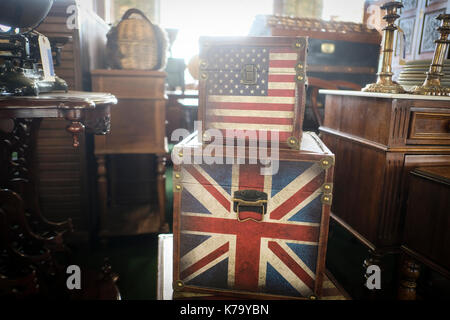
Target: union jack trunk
(253,84)
(238,231)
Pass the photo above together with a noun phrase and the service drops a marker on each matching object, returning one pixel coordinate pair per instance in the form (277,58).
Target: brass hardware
(300,66)
(312,297)
(293,143)
(178,285)
(327,163)
(327,188)
(249,74)
(180,154)
(327,48)
(432,84)
(299,44)
(203,64)
(204,76)
(250,198)
(206,137)
(327,199)
(384,83)
(257,203)
(177,175)
(300,77)
(178,187)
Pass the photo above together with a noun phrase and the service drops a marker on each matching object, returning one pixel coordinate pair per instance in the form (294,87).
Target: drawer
(429,128)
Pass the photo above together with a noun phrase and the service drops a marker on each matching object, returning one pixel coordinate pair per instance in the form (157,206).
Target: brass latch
(249,74)
(250,205)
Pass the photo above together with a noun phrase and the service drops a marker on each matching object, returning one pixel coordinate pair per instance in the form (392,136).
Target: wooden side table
(138,123)
(28,240)
(378,139)
(20,118)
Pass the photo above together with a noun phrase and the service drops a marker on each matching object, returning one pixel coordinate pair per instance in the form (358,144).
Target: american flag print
(277,256)
(268,104)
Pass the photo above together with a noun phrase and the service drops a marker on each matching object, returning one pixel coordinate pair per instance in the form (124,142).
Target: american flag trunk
(254,83)
(238,232)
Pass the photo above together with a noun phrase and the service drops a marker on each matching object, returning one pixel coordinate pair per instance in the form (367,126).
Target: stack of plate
(414,73)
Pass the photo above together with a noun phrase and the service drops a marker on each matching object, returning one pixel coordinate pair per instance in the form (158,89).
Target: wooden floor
(331,289)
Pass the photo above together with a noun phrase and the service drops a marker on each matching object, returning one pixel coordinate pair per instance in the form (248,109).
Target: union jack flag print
(275,256)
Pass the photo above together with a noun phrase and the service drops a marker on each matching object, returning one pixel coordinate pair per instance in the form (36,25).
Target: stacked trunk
(251,218)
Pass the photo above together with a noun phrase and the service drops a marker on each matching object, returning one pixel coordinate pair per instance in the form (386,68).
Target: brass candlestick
(384,82)
(432,85)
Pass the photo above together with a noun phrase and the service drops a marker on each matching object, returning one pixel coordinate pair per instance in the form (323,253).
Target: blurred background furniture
(338,51)
(182,108)
(131,160)
(28,239)
(378,139)
(67,175)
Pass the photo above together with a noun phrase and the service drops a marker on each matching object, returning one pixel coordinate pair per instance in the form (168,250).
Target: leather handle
(250,201)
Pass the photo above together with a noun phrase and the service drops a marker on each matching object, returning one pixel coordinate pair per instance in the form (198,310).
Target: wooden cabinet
(428,217)
(129,202)
(378,139)
(427,222)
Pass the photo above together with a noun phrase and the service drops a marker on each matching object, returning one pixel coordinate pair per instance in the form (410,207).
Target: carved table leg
(102,185)
(161,181)
(409,273)
(76,127)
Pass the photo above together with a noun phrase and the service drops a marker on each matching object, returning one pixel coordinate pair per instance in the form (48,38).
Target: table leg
(102,191)
(409,273)
(161,181)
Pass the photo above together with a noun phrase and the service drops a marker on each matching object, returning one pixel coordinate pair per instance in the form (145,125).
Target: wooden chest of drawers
(378,139)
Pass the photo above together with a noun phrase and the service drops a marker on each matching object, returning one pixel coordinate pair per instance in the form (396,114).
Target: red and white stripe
(273,112)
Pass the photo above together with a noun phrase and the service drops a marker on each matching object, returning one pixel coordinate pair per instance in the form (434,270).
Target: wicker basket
(136,43)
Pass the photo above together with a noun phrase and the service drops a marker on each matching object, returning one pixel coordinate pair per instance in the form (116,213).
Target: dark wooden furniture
(316,101)
(66,178)
(427,224)
(27,239)
(378,139)
(132,205)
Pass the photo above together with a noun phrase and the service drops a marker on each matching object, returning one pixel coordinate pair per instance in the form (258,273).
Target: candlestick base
(431,90)
(391,87)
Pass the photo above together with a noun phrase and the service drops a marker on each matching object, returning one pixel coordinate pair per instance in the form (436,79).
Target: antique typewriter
(26,56)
